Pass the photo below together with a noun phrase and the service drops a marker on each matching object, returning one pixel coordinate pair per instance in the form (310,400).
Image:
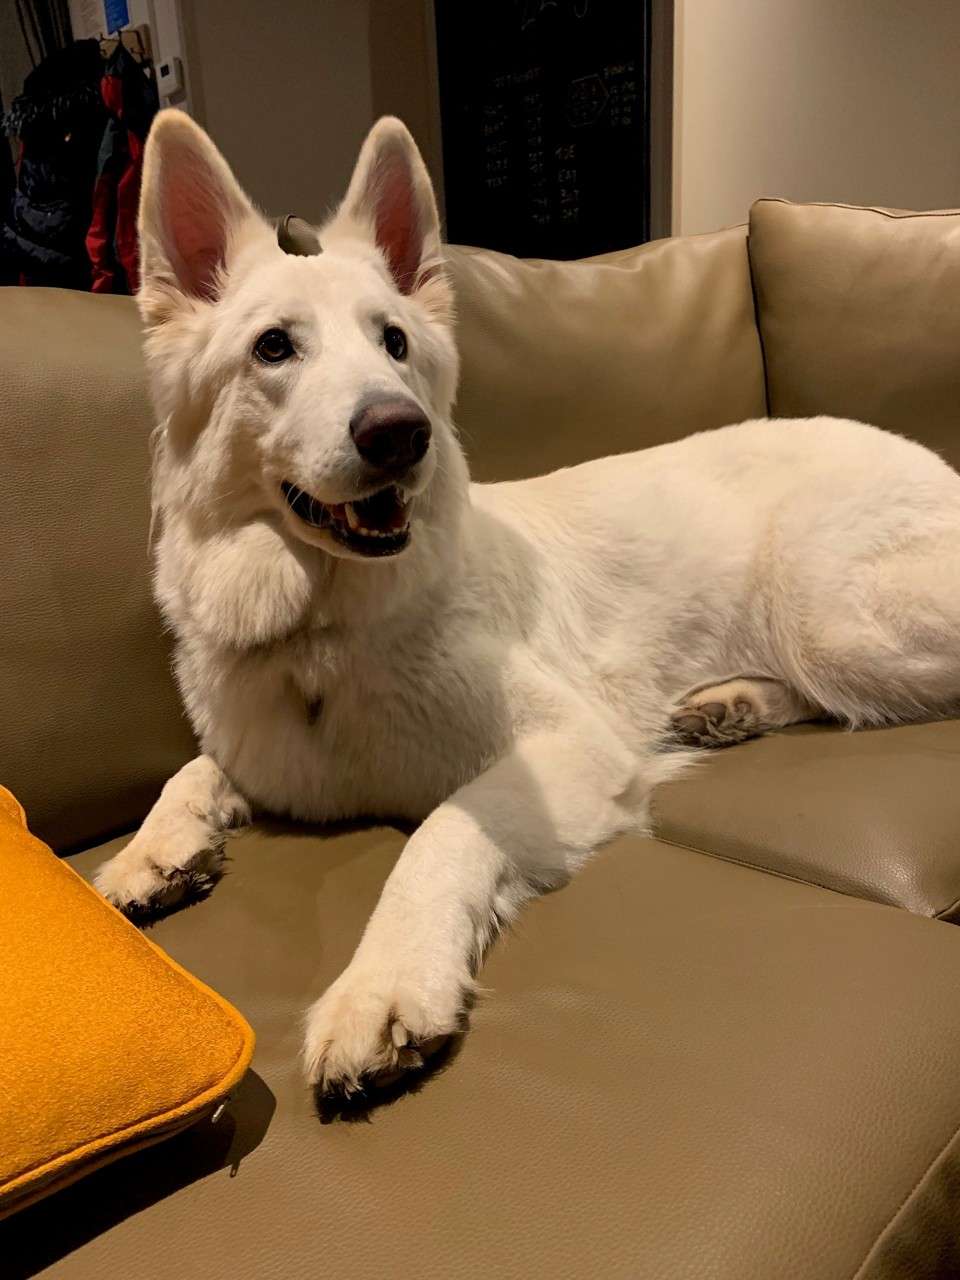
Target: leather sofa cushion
(91,721)
(105,1043)
(858,315)
(683,1068)
(566,361)
(873,813)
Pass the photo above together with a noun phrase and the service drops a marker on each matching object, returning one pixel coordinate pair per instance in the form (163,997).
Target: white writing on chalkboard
(514,127)
(545,122)
(531,10)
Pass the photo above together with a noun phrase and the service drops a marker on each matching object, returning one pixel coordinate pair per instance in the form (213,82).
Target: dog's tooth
(353,520)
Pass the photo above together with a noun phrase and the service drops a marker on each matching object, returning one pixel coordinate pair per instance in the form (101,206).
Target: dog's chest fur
(326,725)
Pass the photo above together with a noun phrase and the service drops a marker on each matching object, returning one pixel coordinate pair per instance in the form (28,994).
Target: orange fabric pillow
(106,1044)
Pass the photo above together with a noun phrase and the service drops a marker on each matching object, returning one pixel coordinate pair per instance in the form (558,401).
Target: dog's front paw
(143,880)
(367,1031)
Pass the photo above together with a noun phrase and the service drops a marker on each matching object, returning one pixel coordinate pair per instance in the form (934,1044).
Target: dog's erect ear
(390,199)
(194,218)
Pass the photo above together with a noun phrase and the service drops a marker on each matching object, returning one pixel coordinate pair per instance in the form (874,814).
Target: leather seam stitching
(861,208)
(905,1202)
(943,914)
(770,871)
(755,299)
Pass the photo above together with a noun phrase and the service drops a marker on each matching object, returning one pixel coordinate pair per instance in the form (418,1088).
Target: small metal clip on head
(295,235)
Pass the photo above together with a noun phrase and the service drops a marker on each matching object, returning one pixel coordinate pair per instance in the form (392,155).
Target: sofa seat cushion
(858,315)
(105,1043)
(566,361)
(874,813)
(682,1068)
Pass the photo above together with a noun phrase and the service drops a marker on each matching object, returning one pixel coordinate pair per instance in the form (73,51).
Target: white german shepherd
(361,631)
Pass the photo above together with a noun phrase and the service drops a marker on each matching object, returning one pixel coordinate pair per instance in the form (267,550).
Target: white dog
(361,631)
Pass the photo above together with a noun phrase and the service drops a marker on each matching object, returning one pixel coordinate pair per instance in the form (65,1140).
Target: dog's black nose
(392,435)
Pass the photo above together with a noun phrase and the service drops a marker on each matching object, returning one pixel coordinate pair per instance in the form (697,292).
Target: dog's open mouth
(374,526)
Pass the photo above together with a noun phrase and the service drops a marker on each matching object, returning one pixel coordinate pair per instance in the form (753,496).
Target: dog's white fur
(509,678)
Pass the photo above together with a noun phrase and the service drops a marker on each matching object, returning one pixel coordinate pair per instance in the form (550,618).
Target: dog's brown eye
(273,346)
(395,341)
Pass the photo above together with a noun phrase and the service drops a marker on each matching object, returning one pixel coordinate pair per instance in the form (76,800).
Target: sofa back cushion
(565,361)
(90,724)
(859,314)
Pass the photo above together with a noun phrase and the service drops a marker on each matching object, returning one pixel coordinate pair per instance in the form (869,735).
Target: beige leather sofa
(732,1051)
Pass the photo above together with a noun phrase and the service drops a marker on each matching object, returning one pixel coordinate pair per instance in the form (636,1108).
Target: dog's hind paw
(719,715)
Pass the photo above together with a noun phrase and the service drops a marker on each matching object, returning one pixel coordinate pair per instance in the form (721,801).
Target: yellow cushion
(106,1044)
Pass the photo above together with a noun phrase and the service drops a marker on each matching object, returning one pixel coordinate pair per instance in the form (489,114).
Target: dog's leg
(523,826)
(178,850)
(718,715)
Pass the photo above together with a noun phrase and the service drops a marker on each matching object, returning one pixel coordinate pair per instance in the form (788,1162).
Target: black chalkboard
(545,111)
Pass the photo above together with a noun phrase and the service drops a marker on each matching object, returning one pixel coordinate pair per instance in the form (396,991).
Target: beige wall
(853,100)
(288,91)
